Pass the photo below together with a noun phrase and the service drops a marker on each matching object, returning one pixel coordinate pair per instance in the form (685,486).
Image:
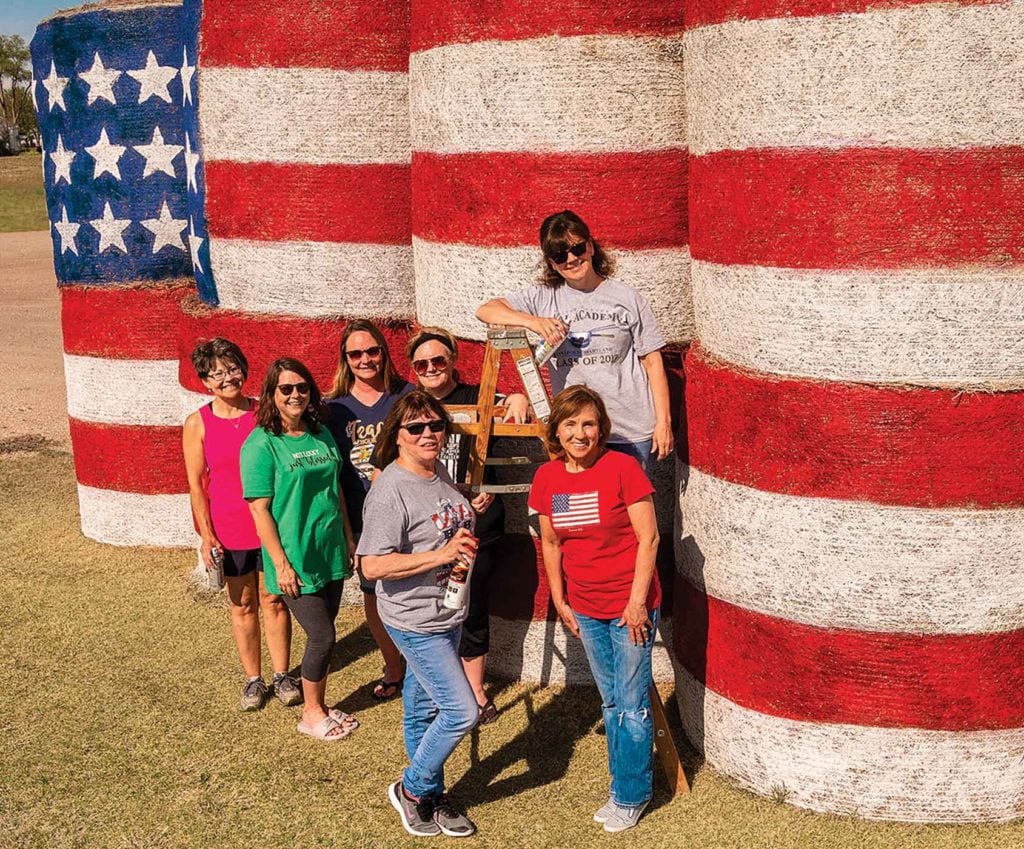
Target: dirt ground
(31,360)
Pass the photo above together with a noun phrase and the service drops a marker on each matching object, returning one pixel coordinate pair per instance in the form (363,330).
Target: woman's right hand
(287,579)
(552,328)
(206,551)
(568,618)
(462,547)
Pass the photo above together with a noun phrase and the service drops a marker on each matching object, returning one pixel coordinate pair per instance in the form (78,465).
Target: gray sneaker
(254,694)
(622,818)
(287,689)
(605,811)
(452,822)
(417,817)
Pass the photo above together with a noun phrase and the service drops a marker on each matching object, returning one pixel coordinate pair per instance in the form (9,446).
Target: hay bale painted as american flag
(108,88)
(850,613)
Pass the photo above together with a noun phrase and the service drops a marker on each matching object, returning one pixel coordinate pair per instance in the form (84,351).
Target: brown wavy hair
(555,231)
(567,404)
(207,353)
(410,406)
(341,383)
(267,416)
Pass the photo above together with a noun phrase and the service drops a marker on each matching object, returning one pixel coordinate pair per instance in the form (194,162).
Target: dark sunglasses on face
(286,388)
(417,428)
(576,250)
(372,352)
(422,366)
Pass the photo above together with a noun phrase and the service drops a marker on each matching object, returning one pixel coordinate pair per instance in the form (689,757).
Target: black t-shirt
(455,457)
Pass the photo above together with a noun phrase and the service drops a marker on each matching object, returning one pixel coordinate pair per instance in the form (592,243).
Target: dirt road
(31,359)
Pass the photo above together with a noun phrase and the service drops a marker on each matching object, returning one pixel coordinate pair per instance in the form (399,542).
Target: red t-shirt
(589,516)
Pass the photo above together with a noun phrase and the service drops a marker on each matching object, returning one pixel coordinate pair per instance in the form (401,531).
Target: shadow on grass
(352,647)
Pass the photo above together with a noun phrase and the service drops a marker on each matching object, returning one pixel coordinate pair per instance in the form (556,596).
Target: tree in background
(16,111)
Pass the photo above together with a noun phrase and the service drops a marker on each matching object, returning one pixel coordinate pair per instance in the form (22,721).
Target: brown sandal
(488,712)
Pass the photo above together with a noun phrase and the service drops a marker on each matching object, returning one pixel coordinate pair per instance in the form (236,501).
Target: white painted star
(187,72)
(111,230)
(68,231)
(62,159)
(159,156)
(194,244)
(154,79)
(107,156)
(166,230)
(191,162)
(100,81)
(55,86)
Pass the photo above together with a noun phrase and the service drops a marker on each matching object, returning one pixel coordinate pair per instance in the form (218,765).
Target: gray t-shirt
(407,514)
(610,328)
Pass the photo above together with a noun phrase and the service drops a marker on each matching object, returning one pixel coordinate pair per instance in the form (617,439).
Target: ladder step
(503,489)
(515,461)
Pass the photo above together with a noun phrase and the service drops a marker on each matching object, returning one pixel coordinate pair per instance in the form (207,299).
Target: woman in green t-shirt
(290,476)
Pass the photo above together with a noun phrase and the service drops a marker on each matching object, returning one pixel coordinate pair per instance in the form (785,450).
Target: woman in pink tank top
(212,441)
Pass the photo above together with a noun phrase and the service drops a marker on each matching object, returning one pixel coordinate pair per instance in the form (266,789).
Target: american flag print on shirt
(573,511)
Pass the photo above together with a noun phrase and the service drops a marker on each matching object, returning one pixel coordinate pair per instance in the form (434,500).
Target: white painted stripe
(129,518)
(930,75)
(311,115)
(592,93)
(189,402)
(961,328)
(877,773)
(545,653)
(131,392)
(852,564)
(314,279)
(452,280)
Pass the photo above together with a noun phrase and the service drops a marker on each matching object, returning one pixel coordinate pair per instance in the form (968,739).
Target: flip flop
(488,712)
(345,720)
(322,730)
(381,688)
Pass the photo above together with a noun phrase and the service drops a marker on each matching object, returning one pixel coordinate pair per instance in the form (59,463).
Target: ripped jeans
(623,675)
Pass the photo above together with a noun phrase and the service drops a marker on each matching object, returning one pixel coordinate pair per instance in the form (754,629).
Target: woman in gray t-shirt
(605,334)
(416,527)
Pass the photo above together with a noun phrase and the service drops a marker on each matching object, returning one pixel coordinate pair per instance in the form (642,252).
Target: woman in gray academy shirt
(416,526)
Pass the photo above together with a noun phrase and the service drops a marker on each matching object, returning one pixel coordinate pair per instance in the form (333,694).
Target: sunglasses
(422,366)
(576,250)
(372,352)
(417,428)
(286,388)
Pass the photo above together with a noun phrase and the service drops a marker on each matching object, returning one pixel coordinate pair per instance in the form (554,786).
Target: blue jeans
(640,451)
(439,706)
(623,675)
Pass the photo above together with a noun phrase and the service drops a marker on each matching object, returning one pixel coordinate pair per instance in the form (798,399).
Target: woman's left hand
(517,408)
(663,441)
(482,501)
(639,623)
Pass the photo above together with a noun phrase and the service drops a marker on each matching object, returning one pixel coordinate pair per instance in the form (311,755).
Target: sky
(20,17)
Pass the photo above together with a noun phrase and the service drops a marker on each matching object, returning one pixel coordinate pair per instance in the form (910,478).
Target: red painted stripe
(780,668)
(858,207)
(119,322)
(354,35)
(320,203)
(438,22)
(912,447)
(128,458)
(629,200)
(702,12)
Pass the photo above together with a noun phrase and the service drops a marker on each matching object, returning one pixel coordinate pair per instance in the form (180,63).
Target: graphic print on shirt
(574,510)
(363,438)
(448,519)
(595,337)
(312,458)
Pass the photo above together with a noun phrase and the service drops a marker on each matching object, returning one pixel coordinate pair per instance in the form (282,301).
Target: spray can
(456,592)
(542,353)
(215,576)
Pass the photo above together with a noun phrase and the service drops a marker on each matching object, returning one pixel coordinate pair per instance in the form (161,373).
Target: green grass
(119,727)
(22,200)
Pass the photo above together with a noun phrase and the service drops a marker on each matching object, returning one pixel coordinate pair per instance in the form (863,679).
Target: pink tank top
(222,445)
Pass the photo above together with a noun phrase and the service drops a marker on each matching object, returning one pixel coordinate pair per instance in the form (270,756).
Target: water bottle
(457,591)
(215,576)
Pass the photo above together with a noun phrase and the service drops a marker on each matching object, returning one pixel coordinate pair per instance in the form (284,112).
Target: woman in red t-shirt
(600,539)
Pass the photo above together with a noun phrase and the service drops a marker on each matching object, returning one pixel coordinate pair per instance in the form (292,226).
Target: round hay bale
(521,111)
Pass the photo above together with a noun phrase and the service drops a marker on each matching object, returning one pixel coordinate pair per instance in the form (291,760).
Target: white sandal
(322,730)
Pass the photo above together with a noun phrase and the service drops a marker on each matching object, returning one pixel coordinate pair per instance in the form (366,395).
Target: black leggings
(316,613)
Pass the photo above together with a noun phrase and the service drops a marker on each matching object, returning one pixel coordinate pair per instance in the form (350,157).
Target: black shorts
(241,561)
(476,629)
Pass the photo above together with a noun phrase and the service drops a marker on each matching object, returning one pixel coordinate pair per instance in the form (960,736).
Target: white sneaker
(622,818)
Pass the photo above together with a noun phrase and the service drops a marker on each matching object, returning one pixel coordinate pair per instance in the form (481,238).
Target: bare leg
(474,667)
(245,621)
(392,657)
(313,709)
(277,622)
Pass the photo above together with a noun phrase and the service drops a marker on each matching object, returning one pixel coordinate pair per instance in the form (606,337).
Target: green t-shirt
(300,476)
